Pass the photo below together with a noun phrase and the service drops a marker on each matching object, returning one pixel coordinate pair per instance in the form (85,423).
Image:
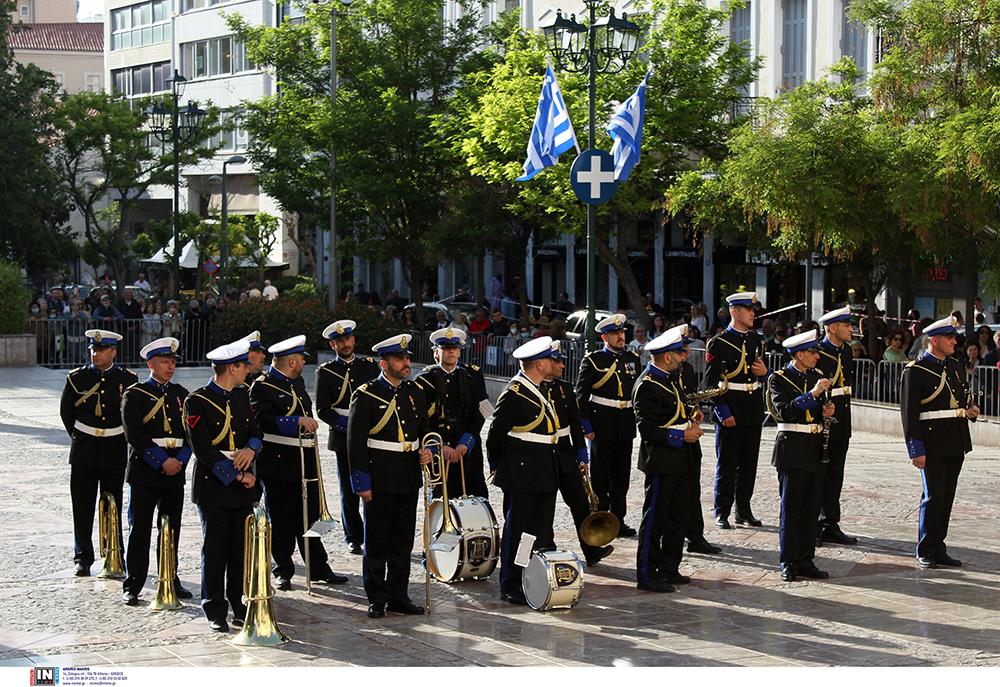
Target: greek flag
(552,133)
(625,129)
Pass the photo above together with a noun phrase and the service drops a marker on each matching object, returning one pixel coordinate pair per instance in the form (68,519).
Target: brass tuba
(259,626)
(166,570)
(600,527)
(109,530)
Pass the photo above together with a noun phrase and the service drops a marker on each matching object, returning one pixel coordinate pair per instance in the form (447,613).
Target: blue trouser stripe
(649,520)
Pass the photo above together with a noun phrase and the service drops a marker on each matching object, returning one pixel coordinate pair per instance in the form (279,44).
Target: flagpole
(591,209)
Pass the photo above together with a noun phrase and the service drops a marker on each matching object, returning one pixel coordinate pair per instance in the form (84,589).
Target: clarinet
(827,423)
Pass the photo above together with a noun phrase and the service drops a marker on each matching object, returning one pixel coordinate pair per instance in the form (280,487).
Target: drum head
(444,565)
(535,582)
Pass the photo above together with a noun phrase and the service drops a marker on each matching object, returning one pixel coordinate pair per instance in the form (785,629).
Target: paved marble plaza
(877,609)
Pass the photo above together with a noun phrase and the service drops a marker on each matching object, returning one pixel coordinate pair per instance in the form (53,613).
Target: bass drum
(475,557)
(553,579)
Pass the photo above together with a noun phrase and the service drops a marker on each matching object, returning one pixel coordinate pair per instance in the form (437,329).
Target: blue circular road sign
(593,176)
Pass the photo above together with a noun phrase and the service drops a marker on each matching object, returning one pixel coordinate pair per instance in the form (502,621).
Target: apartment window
(92,83)
(739,33)
(188,5)
(855,41)
(793,44)
(24,11)
(143,79)
(214,57)
(232,136)
(60,78)
(147,23)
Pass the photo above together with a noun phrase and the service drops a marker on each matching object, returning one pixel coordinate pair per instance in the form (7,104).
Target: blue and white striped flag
(625,129)
(552,133)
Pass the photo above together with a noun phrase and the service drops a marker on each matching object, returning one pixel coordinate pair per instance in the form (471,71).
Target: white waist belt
(342,411)
(841,391)
(942,414)
(536,438)
(731,386)
(394,446)
(99,431)
(307,442)
(796,427)
(168,442)
(610,402)
(562,432)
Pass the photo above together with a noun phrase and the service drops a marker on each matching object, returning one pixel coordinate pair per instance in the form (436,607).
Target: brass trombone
(600,527)
(259,627)
(325,520)
(435,473)
(166,570)
(109,538)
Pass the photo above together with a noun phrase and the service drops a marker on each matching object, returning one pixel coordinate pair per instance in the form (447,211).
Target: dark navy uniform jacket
(790,401)
(931,384)
(523,465)
(662,419)
(454,405)
(729,357)
(278,403)
(608,375)
(94,399)
(153,411)
(335,384)
(572,444)
(837,365)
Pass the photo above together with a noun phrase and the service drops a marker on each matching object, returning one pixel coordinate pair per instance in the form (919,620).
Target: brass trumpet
(109,538)
(600,527)
(259,627)
(166,570)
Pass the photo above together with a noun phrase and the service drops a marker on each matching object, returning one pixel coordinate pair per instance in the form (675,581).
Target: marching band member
(836,363)
(936,406)
(152,414)
(794,401)
(604,390)
(453,395)
(90,409)
(522,450)
(388,418)
(284,413)
(336,381)
(225,439)
(256,357)
(736,356)
(664,429)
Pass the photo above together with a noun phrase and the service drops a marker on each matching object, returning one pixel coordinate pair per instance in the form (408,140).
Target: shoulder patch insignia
(515,386)
(192,420)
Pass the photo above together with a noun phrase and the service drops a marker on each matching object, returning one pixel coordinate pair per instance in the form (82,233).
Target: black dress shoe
(788,573)
(599,555)
(675,578)
(181,592)
(661,586)
(130,599)
(626,531)
(218,625)
(331,578)
(722,522)
(406,607)
(516,598)
(355,549)
(376,609)
(925,562)
(836,535)
(702,546)
(82,570)
(237,622)
(813,573)
(948,561)
(748,520)
(284,583)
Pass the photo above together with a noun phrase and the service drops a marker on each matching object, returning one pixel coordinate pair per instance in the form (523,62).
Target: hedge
(14,304)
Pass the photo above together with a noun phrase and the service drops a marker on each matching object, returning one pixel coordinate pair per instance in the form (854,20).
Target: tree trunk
(521,250)
(971,288)
(413,272)
(626,276)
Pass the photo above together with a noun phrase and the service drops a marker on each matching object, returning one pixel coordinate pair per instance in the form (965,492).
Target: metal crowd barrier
(60,343)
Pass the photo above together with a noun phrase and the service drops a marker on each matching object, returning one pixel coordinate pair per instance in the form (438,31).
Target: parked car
(576,323)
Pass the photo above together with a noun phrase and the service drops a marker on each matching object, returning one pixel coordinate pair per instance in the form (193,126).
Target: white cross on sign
(595,177)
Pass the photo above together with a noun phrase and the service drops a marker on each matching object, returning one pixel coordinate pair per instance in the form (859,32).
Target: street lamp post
(602,46)
(224,242)
(183,126)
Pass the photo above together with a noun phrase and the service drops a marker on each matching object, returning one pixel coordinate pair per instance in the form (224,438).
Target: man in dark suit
(794,401)
(336,381)
(665,426)
(90,409)
(936,407)
(152,414)
(388,419)
(522,450)
(225,439)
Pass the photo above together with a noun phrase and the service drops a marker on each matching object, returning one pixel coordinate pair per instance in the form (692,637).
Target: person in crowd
(638,344)
(152,325)
(395,300)
(460,322)
(480,323)
(563,307)
(541,327)
(699,320)
(972,359)
(894,348)
(77,322)
(659,326)
(498,325)
(270,292)
(106,312)
(496,291)
(557,330)
(440,319)
(172,321)
(142,284)
(409,319)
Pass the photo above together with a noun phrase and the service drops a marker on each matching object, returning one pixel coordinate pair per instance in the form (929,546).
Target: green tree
(34,202)
(14,304)
(103,151)
(259,234)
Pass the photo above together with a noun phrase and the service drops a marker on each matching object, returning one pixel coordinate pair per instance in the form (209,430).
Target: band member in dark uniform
(604,390)
(453,396)
(224,437)
(572,452)
(256,358)
(936,407)
(388,420)
(736,357)
(91,412)
(335,384)
(686,380)
(90,409)
(522,450)
(794,395)
(283,410)
(152,413)
(836,363)
(664,428)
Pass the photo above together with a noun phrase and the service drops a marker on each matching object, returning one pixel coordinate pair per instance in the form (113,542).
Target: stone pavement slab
(877,609)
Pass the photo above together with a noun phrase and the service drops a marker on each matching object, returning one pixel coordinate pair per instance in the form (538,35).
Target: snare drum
(475,557)
(553,579)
